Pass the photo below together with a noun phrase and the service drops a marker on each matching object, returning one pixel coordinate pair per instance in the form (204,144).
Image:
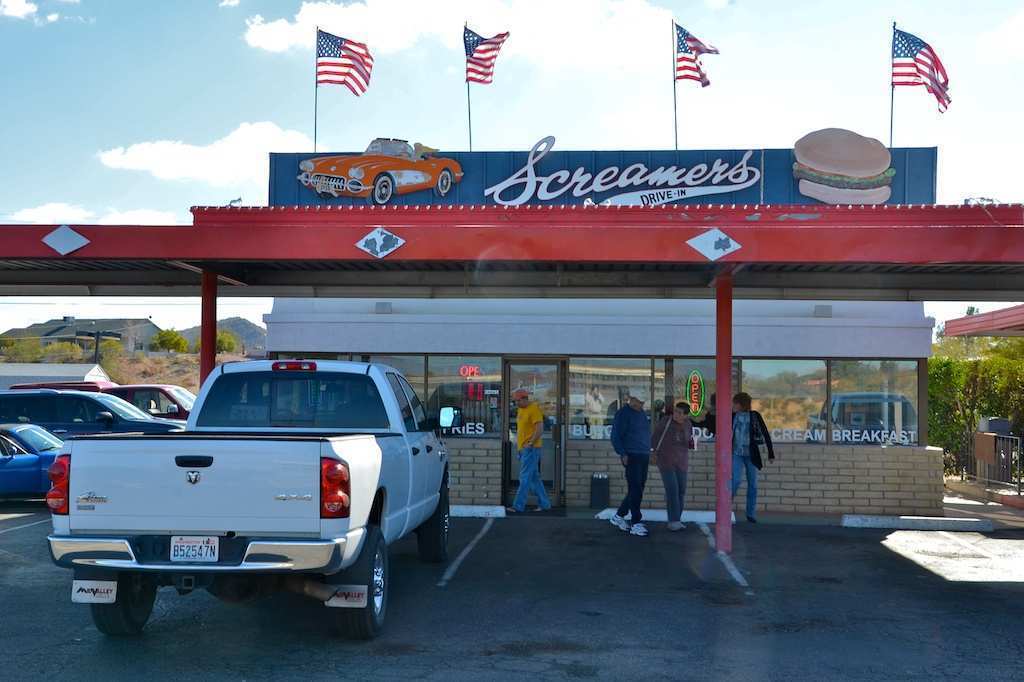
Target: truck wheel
(371,569)
(129,613)
(432,536)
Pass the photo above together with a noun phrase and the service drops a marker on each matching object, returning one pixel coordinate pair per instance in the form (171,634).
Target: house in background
(37,372)
(135,334)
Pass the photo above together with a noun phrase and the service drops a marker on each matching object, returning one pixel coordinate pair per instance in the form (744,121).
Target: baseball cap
(520,393)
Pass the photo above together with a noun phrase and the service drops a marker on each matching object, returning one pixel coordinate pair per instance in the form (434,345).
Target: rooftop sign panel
(828,166)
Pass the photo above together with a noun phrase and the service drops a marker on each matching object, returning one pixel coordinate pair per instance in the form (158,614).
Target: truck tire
(128,614)
(432,536)
(370,569)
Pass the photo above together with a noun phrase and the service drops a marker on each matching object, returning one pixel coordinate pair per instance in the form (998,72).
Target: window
(403,402)
(874,402)
(28,409)
(413,367)
(417,407)
(789,394)
(73,410)
(598,387)
(470,383)
(693,380)
(326,400)
(120,407)
(152,401)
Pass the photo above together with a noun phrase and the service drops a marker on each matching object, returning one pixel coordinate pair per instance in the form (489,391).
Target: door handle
(415,451)
(190,462)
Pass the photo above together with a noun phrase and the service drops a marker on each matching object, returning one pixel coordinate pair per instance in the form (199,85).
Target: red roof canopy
(1005,322)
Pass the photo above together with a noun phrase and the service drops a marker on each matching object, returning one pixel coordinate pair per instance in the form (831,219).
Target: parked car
(866,417)
(387,167)
(26,453)
(159,400)
(77,413)
(291,475)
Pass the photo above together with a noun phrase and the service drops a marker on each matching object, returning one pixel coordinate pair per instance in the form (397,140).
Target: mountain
(252,336)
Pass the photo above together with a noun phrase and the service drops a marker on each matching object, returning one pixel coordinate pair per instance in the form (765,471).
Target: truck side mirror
(450,417)
(172,409)
(104,418)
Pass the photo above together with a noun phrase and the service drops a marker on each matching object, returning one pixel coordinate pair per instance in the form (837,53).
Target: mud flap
(94,591)
(349,597)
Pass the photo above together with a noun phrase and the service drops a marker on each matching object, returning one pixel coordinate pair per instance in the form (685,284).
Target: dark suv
(76,413)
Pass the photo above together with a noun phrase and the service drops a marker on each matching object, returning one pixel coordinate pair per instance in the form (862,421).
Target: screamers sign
(634,185)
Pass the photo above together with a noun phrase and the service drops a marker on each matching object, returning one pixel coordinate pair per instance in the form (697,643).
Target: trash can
(599,492)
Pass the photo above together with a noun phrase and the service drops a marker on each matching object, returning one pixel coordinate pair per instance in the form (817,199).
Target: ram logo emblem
(192,477)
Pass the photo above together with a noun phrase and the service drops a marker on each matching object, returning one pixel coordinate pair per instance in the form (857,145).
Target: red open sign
(469,371)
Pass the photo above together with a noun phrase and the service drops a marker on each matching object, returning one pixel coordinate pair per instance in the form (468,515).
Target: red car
(160,400)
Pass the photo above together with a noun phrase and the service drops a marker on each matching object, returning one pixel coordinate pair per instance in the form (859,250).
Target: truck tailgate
(249,486)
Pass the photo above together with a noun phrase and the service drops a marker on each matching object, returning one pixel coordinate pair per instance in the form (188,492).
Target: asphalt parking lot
(572,599)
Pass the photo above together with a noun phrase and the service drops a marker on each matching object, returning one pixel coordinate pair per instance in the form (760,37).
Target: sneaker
(638,529)
(619,522)
(676,525)
(751,519)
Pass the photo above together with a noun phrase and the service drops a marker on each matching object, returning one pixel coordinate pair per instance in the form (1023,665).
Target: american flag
(340,61)
(914,62)
(480,55)
(688,52)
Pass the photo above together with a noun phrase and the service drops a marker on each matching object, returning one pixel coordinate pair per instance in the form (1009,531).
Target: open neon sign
(469,371)
(695,391)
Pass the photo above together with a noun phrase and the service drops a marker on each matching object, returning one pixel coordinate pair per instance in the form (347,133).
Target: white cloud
(719,4)
(1004,42)
(229,3)
(52,17)
(17,9)
(390,26)
(238,159)
(57,212)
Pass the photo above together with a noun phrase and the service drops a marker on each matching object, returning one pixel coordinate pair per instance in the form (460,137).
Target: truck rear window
(322,400)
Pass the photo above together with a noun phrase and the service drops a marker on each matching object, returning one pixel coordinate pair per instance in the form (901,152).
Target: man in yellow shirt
(529,432)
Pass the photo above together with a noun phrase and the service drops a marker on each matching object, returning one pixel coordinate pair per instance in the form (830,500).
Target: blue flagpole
(675,115)
(316,86)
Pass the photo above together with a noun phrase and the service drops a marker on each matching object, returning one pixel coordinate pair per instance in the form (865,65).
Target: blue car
(79,413)
(26,452)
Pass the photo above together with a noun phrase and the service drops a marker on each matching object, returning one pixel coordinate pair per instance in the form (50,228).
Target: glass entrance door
(543,379)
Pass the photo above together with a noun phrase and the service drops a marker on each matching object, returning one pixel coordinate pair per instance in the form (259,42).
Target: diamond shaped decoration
(714,244)
(64,240)
(380,243)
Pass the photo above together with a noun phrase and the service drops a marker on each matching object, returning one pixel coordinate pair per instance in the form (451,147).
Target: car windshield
(184,397)
(322,400)
(122,408)
(38,439)
(390,148)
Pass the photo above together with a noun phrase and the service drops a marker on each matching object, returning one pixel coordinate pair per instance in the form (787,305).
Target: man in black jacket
(749,431)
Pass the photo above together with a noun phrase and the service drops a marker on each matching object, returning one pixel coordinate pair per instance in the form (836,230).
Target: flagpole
(469,106)
(316,86)
(892,87)
(675,115)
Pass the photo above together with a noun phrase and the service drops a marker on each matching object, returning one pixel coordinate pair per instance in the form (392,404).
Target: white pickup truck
(290,475)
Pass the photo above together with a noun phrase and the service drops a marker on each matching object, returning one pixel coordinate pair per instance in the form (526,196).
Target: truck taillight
(335,489)
(294,366)
(60,478)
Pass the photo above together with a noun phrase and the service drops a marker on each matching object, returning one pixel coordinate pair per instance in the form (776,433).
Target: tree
(62,351)
(226,342)
(169,339)
(24,350)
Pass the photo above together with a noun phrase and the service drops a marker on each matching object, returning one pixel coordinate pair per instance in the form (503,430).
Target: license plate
(195,548)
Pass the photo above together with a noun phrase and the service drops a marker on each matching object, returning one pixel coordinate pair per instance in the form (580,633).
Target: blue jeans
(529,480)
(675,492)
(739,464)
(636,479)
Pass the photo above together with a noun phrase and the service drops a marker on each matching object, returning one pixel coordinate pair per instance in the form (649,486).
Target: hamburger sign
(837,166)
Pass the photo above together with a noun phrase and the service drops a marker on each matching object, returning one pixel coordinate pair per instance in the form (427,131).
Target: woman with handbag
(674,439)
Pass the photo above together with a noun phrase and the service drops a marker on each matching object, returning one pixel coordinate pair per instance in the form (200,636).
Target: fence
(992,458)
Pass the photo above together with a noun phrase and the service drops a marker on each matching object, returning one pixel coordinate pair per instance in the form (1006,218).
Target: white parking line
(24,525)
(726,560)
(963,543)
(454,567)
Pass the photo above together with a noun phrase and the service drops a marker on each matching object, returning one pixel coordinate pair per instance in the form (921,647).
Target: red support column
(723,412)
(208,326)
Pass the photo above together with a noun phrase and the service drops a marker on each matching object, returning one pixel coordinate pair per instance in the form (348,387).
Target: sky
(145,108)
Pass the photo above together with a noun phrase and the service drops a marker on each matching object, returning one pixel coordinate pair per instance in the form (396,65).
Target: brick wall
(474,470)
(804,478)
